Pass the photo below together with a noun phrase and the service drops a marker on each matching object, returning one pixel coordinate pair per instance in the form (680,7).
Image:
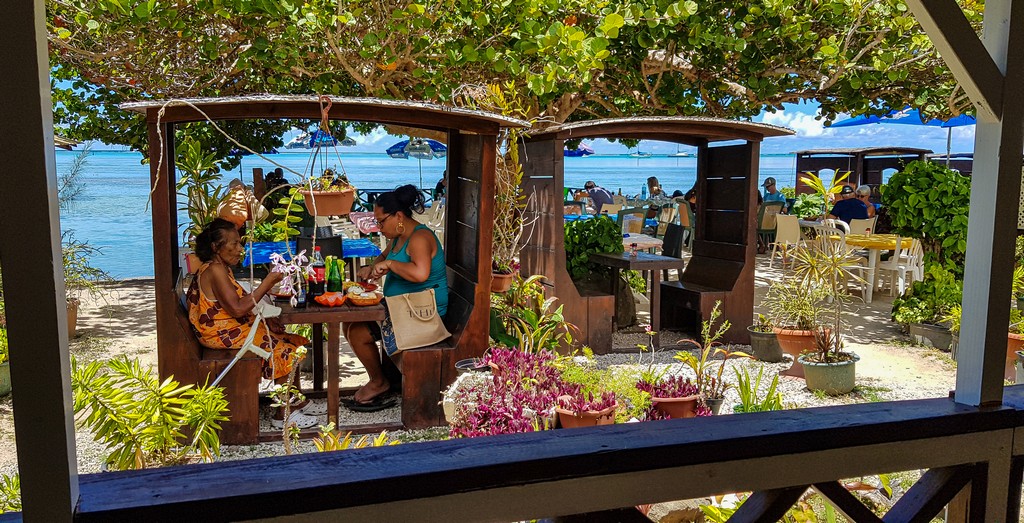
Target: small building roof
(865,151)
(396,112)
(63,143)
(690,130)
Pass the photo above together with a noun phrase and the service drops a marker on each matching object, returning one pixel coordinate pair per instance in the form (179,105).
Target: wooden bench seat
(706,280)
(423,379)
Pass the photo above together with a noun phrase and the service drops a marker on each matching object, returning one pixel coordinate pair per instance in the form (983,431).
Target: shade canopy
(907,116)
(421,149)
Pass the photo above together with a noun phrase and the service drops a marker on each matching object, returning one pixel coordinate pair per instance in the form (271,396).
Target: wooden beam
(959,46)
(846,503)
(995,190)
(933,491)
(30,254)
(768,505)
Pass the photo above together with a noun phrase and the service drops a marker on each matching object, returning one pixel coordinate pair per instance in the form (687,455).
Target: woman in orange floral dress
(221,312)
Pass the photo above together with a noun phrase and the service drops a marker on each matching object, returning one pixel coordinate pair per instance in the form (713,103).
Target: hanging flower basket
(329,203)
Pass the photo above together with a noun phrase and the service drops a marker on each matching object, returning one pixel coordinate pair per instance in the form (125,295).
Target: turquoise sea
(112,213)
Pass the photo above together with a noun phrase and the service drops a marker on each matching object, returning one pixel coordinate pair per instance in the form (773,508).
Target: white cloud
(805,125)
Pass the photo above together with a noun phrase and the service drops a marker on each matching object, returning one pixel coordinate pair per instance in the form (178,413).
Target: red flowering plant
(574,400)
(518,397)
(673,386)
(503,266)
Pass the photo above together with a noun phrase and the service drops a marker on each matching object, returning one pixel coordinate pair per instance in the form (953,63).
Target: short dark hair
(589,185)
(212,235)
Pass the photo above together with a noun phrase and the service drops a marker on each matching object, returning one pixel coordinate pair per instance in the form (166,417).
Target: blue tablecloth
(649,222)
(353,248)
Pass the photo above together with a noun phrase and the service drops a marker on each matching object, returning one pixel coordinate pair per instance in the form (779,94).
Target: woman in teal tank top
(413,261)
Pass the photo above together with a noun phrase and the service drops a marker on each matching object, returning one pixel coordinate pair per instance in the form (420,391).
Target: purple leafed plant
(573,400)
(671,387)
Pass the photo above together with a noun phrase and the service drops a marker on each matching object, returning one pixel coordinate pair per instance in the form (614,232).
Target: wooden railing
(777,455)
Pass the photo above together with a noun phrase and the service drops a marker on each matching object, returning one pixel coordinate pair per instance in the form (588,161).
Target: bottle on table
(643,192)
(300,298)
(334,279)
(317,274)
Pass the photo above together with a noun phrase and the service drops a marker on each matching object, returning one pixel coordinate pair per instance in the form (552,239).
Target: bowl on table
(365,298)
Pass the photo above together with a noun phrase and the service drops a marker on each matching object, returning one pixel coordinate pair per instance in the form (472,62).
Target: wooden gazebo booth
(722,265)
(866,164)
(472,149)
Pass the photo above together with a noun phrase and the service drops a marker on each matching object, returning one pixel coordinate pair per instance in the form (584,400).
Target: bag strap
(415,313)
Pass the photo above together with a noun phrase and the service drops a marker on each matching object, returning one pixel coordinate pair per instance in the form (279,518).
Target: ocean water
(112,210)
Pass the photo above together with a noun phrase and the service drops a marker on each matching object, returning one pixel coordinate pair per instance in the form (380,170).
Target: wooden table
(643,261)
(642,241)
(316,314)
(875,244)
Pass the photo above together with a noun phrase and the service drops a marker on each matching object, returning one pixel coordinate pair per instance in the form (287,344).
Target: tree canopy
(570,59)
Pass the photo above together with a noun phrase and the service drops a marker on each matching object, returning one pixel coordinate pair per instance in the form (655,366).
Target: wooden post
(259,185)
(33,271)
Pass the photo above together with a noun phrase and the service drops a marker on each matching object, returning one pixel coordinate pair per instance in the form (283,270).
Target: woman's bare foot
(371,390)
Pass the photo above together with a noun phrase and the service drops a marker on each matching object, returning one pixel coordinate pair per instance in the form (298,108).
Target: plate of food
(331,299)
(281,296)
(359,287)
(364,298)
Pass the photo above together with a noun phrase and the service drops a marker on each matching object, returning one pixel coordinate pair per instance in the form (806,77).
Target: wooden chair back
(668,214)
(766,216)
(633,225)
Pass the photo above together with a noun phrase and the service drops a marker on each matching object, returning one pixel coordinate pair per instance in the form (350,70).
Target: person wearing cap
(772,194)
(598,195)
(864,195)
(848,207)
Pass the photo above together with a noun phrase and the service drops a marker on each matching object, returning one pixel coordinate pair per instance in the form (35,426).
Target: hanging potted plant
(330,194)
(827,265)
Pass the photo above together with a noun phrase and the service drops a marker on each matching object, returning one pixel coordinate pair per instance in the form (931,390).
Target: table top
(642,241)
(352,247)
(877,241)
(642,261)
(316,313)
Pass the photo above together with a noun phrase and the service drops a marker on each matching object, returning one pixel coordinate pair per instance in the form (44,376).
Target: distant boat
(581,150)
(299,142)
(641,154)
(680,154)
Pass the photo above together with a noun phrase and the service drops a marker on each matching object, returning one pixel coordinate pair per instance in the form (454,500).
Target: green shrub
(583,238)
(10,493)
(930,202)
(141,420)
(807,206)
(930,300)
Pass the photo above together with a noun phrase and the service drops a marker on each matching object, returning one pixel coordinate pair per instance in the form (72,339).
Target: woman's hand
(380,269)
(273,278)
(364,273)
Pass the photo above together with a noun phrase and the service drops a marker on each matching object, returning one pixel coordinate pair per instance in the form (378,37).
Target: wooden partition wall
(866,165)
(724,248)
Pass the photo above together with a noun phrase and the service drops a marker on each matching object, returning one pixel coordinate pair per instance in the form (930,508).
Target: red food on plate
(368,287)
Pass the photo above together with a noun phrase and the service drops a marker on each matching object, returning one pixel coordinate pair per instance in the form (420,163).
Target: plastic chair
(634,225)
(908,261)
(838,224)
(766,222)
(687,221)
(860,225)
(612,209)
(668,214)
(787,237)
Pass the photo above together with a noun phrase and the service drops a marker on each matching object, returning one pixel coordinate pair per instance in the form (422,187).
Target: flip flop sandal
(313,408)
(296,418)
(376,404)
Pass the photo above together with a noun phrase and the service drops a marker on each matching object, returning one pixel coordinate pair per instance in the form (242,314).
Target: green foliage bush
(143,421)
(808,206)
(930,202)
(10,493)
(583,238)
(522,317)
(930,300)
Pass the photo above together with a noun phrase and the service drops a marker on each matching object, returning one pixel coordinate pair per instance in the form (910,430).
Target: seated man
(848,207)
(598,195)
(772,194)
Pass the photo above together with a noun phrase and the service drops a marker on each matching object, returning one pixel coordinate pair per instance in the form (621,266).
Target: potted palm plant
(80,276)
(796,311)
(827,265)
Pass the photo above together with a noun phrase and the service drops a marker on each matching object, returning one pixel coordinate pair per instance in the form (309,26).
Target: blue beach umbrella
(421,149)
(320,137)
(908,116)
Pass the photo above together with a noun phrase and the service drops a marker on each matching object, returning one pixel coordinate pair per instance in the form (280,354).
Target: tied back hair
(212,237)
(405,198)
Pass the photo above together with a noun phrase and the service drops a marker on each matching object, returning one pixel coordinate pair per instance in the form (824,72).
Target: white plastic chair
(859,225)
(904,267)
(787,237)
(838,224)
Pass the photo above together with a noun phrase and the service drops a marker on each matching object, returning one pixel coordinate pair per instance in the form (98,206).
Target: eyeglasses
(381,222)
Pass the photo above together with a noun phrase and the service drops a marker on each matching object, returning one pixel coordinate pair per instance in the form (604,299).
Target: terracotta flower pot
(1014,343)
(501,282)
(5,378)
(685,407)
(567,419)
(73,304)
(329,203)
(795,342)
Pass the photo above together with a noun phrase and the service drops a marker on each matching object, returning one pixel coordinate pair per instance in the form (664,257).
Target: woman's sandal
(377,403)
(300,420)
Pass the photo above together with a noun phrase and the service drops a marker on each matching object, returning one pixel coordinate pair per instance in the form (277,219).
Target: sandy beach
(121,322)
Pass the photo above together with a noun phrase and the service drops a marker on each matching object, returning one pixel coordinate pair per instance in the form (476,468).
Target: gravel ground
(890,368)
